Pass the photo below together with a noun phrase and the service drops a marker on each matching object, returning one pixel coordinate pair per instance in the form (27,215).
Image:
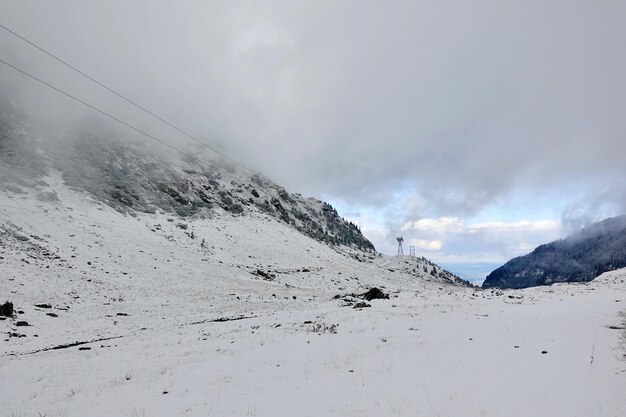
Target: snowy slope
(91,262)
(150,306)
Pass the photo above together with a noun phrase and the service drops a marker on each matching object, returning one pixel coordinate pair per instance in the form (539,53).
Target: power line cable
(123,97)
(98,110)
(150,136)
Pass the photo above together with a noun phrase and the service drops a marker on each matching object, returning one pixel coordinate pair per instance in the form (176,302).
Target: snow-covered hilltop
(132,178)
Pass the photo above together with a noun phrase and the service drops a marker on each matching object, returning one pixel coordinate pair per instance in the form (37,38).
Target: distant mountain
(580,257)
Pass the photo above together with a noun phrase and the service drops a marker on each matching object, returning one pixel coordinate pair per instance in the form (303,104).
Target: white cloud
(453,240)
(524,247)
(443,225)
(428,245)
(439,225)
(523,225)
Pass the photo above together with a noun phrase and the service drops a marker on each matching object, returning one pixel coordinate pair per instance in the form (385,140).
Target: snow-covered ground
(154,299)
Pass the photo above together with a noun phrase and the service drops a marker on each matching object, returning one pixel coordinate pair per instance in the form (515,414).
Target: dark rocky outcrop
(374,294)
(6,309)
(267,276)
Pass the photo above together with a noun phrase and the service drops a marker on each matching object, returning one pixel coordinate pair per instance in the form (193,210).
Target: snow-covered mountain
(91,238)
(94,219)
(582,256)
(134,178)
(131,178)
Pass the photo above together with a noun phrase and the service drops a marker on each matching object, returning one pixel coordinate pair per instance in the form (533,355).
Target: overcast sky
(475,129)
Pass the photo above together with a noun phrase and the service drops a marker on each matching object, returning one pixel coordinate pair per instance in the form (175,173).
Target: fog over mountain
(396,113)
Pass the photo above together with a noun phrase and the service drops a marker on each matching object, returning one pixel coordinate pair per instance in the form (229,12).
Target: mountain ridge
(580,257)
(131,177)
(136,179)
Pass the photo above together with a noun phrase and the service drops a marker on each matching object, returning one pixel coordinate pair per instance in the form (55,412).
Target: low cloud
(430,113)
(606,200)
(443,225)
(462,103)
(452,240)
(437,226)
(427,245)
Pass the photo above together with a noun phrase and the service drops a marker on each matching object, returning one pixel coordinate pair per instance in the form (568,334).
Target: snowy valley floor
(433,353)
(163,302)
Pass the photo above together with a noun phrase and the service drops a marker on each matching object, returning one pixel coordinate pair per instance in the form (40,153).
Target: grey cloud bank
(462,103)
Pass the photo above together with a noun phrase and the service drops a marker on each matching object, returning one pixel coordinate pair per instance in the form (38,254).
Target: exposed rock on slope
(580,257)
(131,177)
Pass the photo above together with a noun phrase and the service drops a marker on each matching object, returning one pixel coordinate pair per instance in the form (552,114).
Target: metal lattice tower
(412,251)
(400,239)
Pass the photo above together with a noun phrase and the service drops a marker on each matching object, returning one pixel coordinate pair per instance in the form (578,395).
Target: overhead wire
(128,100)
(130,126)
(96,109)
(123,97)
